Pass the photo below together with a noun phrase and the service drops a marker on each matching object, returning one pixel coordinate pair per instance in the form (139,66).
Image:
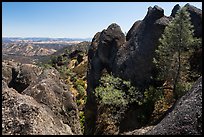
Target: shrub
(116,92)
(182,88)
(153,94)
(110,96)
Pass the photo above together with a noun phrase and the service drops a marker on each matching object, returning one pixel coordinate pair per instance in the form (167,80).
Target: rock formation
(38,102)
(129,58)
(140,48)
(23,115)
(101,55)
(174,10)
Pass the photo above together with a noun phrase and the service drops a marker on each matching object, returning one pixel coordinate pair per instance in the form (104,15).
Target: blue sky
(74,19)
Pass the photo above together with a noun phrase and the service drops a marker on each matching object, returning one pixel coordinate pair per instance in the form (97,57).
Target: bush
(110,96)
(153,94)
(116,92)
(182,88)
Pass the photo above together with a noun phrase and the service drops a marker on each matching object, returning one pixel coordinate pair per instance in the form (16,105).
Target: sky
(74,19)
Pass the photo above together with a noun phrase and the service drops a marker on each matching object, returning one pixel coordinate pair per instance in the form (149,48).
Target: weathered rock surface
(7,70)
(52,92)
(23,115)
(23,75)
(140,131)
(186,117)
(44,106)
(134,60)
(133,29)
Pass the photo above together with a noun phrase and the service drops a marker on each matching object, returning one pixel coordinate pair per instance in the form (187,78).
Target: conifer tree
(176,46)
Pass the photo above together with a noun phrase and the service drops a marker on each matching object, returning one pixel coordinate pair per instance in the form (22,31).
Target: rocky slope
(25,49)
(36,101)
(185,119)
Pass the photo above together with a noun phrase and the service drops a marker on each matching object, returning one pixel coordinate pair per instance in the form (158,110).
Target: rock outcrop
(109,50)
(134,60)
(129,58)
(38,102)
(23,115)
(132,30)
(174,10)
(23,75)
(101,55)
(186,117)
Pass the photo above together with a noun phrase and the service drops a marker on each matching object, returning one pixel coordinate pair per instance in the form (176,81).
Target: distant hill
(39,39)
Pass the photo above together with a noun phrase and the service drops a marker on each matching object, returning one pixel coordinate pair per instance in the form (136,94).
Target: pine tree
(176,46)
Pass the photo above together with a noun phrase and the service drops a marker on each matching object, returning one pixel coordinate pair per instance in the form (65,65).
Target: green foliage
(81,91)
(152,94)
(116,92)
(182,88)
(111,96)
(176,46)
(82,120)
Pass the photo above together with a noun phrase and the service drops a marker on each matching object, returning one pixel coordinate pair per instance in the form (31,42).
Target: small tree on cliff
(176,46)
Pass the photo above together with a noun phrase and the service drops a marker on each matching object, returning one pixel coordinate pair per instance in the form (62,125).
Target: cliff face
(36,101)
(134,60)
(129,58)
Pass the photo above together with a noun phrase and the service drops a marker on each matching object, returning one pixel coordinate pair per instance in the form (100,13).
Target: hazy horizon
(74,19)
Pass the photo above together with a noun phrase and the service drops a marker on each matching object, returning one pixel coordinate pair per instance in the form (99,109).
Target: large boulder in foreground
(23,115)
(44,106)
(52,92)
(186,117)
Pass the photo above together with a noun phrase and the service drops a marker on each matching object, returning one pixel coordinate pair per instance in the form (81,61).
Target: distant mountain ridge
(38,39)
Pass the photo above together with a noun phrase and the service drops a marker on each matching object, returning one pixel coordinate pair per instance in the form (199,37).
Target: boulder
(43,107)
(23,115)
(7,70)
(52,92)
(23,75)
